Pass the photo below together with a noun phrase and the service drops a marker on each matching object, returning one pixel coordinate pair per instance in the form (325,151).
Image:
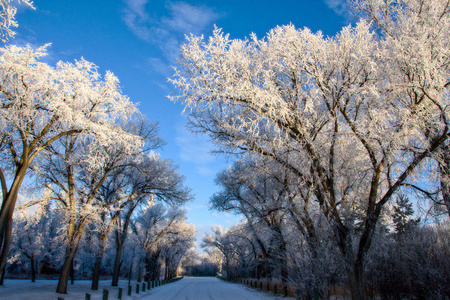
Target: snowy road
(188,288)
(205,288)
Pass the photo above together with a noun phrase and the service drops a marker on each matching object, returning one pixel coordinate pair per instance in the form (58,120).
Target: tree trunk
(72,273)
(150,266)
(129,273)
(281,255)
(66,270)
(139,279)
(6,213)
(33,269)
(2,277)
(167,270)
(355,274)
(6,243)
(121,236)
(147,267)
(96,272)
(354,264)
(64,276)
(98,264)
(116,271)
(155,266)
(7,209)
(444,166)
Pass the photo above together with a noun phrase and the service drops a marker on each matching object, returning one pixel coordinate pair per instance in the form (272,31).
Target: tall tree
(153,178)
(248,189)
(75,168)
(41,104)
(352,116)
(415,35)
(115,191)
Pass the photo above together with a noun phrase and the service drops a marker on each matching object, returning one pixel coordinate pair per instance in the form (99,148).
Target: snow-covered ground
(45,290)
(189,288)
(211,288)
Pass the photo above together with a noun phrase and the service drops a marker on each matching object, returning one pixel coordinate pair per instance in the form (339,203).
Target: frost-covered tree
(75,168)
(237,248)
(353,116)
(176,245)
(258,193)
(115,191)
(155,228)
(194,264)
(41,104)
(152,179)
(32,235)
(7,17)
(415,33)
(288,233)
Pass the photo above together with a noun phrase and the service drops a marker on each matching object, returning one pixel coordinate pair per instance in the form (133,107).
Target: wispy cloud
(340,7)
(186,18)
(167,31)
(137,19)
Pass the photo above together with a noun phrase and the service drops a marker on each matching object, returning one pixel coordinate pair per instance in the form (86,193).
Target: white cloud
(167,32)
(136,18)
(136,8)
(340,7)
(186,18)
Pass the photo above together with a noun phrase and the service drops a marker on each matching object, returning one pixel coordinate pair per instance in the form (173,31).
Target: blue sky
(139,40)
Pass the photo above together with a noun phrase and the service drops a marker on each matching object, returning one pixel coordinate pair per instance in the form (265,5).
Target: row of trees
(95,174)
(155,244)
(282,239)
(349,122)
(88,147)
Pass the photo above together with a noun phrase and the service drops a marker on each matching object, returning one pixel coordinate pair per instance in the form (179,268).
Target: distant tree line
(200,266)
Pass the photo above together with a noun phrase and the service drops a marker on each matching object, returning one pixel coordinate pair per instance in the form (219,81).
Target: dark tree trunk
(64,276)
(98,264)
(96,272)
(355,274)
(72,273)
(7,210)
(116,271)
(153,265)
(281,255)
(6,243)
(66,270)
(167,270)
(444,166)
(2,277)
(139,279)
(130,273)
(354,265)
(147,266)
(121,236)
(33,269)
